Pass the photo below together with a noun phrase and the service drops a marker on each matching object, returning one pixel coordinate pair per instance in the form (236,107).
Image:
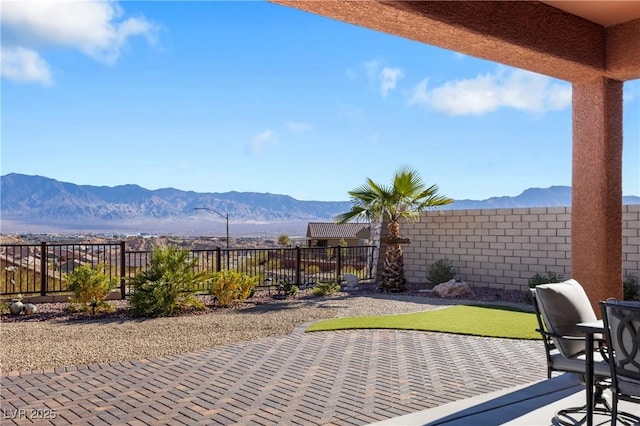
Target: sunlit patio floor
(328,378)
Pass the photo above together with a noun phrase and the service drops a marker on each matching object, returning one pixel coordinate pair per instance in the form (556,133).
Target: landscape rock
(453,289)
(351,281)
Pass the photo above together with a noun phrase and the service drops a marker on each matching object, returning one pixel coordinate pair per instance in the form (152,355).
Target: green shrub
(550,277)
(284,240)
(325,288)
(441,271)
(630,287)
(232,287)
(286,289)
(4,307)
(537,279)
(167,287)
(91,288)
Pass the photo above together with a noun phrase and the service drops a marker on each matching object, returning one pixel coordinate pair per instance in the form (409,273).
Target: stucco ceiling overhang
(532,35)
(605,13)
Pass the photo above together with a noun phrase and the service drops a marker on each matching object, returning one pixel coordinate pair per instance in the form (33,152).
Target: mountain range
(41,204)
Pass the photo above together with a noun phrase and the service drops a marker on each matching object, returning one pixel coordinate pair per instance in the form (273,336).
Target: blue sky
(251,96)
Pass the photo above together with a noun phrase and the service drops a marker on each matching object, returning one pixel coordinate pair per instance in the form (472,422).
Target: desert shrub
(206,262)
(91,287)
(287,289)
(312,269)
(630,287)
(232,287)
(537,279)
(4,307)
(167,287)
(284,240)
(325,288)
(549,277)
(441,271)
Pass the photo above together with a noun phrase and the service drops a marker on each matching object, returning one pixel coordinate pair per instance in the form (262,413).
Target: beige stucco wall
(503,248)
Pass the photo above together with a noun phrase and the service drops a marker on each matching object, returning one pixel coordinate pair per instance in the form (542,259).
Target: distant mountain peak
(37,201)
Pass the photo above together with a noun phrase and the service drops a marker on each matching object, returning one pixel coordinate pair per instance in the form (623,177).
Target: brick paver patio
(327,378)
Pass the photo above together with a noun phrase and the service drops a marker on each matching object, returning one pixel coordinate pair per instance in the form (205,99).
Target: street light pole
(224,216)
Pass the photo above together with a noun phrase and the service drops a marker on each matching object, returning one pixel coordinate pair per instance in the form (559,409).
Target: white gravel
(32,345)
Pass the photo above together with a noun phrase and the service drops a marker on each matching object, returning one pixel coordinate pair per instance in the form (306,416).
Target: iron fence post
(218,259)
(123,261)
(371,265)
(298,265)
(43,268)
(338,264)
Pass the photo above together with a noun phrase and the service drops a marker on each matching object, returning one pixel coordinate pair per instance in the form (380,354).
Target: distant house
(133,260)
(69,266)
(329,234)
(18,251)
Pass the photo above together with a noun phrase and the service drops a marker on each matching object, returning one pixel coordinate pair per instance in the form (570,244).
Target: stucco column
(596,213)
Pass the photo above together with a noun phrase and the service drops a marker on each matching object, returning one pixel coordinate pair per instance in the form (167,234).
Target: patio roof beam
(525,34)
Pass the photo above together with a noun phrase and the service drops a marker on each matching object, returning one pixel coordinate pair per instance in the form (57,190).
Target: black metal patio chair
(622,333)
(559,308)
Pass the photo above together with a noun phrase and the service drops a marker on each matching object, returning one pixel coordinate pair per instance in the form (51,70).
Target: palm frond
(356,212)
(405,198)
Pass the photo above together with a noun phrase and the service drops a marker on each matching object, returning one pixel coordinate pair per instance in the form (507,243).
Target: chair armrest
(602,346)
(558,336)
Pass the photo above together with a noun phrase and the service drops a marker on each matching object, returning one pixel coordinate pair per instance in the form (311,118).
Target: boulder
(351,281)
(453,289)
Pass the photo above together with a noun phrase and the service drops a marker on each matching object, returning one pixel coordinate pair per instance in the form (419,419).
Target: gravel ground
(54,337)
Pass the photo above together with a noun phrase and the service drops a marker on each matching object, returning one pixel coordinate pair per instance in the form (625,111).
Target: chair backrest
(564,305)
(622,331)
(546,339)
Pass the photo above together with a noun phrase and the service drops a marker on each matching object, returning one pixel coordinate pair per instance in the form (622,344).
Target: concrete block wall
(503,248)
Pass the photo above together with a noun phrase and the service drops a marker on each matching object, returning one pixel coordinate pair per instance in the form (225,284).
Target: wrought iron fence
(41,269)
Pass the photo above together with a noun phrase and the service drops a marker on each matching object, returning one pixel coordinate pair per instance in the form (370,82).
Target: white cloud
(297,126)
(97,29)
(517,89)
(24,66)
(386,77)
(259,141)
(420,95)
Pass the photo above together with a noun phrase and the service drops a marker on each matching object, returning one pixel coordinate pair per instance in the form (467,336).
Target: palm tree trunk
(393,273)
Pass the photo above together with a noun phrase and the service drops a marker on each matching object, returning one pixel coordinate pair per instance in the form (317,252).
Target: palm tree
(284,240)
(405,198)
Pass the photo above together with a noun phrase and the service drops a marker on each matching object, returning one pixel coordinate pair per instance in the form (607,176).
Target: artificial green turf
(484,320)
